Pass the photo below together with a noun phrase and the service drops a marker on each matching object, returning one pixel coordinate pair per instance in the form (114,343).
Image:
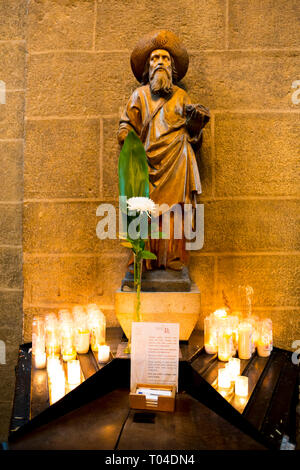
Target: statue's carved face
(159,59)
(160,72)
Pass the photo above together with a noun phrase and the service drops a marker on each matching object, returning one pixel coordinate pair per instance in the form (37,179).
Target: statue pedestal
(165,307)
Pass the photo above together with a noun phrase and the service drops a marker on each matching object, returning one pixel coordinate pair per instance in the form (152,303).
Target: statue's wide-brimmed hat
(159,40)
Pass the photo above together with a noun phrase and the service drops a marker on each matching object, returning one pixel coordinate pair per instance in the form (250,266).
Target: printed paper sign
(154,353)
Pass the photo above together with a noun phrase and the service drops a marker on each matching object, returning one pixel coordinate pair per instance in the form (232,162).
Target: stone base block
(165,307)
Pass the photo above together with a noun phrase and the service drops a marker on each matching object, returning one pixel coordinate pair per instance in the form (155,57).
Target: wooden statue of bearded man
(169,125)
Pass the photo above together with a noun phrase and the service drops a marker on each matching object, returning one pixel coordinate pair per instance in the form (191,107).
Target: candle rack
(266,416)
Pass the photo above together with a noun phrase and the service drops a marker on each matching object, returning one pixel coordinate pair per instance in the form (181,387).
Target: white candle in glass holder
(40,359)
(52,334)
(210,335)
(234,367)
(97,327)
(234,323)
(224,340)
(74,373)
(82,333)
(53,366)
(220,313)
(103,353)
(224,381)
(38,334)
(68,350)
(82,341)
(245,340)
(58,386)
(265,338)
(241,386)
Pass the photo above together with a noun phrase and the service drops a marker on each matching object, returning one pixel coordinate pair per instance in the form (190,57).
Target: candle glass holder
(234,367)
(265,338)
(97,326)
(103,353)
(234,325)
(52,335)
(74,372)
(245,345)
(224,380)
(225,347)
(241,386)
(38,334)
(210,335)
(82,334)
(68,350)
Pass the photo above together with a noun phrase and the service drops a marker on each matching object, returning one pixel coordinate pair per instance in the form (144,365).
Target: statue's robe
(173,171)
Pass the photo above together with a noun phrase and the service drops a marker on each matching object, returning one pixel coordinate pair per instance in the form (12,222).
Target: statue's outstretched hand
(197,116)
(122,134)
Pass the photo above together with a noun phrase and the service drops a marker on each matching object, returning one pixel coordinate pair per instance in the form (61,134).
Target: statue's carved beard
(161,82)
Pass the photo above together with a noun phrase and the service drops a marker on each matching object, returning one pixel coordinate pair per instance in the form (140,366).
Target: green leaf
(148,255)
(133,168)
(127,244)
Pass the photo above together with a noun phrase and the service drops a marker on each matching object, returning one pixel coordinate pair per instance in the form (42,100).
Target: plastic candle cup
(224,381)
(74,373)
(241,386)
(103,353)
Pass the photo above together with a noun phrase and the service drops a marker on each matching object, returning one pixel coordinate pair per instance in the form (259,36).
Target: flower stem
(137,282)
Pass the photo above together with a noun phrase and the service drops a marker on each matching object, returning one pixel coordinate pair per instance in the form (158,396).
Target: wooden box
(139,402)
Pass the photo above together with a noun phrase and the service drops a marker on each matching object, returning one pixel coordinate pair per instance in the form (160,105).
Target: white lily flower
(141,204)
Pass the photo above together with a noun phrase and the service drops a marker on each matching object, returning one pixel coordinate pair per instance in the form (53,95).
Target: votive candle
(241,386)
(224,381)
(234,367)
(74,373)
(210,335)
(40,359)
(265,338)
(224,340)
(58,386)
(245,341)
(82,341)
(103,353)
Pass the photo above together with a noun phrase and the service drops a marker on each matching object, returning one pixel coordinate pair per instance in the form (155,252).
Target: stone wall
(12,73)
(244,57)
